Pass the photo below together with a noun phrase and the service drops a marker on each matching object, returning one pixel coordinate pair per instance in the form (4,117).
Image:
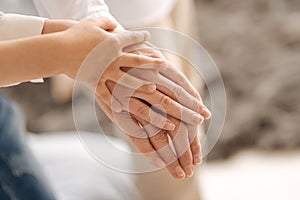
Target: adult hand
(152,141)
(154,144)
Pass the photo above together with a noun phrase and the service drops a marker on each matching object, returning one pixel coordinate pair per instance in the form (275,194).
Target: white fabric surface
(74,174)
(72,9)
(24,7)
(139,13)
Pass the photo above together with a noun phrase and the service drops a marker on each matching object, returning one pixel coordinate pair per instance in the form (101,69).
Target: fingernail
(180,173)
(197,160)
(208,113)
(170,126)
(197,118)
(189,171)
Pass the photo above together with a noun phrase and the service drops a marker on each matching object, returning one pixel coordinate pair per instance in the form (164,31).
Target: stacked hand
(147,97)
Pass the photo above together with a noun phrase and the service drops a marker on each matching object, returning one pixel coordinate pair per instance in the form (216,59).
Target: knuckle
(115,43)
(177,127)
(179,92)
(186,158)
(181,80)
(135,37)
(169,157)
(150,75)
(196,148)
(160,138)
(156,119)
(142,111)
(138,60)
(166,101)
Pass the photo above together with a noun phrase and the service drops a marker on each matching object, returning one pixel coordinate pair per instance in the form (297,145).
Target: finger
(143,50)
(103,92)
(145,147)
(133,83)
(143,111)
(140,61)
(142,142)
(175,75)
(138,108)
(171,89)
(195,144)
(128,38)
(129,125)
(104,23)
(160,142)
(180,95)
(178,77)
(180,139)
(171,107)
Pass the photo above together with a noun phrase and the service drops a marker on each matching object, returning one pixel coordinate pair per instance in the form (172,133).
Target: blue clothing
(20,176)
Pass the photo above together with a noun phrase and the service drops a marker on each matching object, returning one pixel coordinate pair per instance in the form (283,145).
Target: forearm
(53,25)
(19,60)
(13,26)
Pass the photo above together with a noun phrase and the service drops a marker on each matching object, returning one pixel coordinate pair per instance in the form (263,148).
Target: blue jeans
(20,177)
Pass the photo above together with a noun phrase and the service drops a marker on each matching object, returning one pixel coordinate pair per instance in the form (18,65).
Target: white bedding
(74,174)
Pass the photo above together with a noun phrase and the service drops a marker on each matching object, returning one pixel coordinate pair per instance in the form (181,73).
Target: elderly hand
(152,141)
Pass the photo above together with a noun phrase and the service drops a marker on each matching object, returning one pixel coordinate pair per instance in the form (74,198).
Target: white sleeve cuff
(13,26)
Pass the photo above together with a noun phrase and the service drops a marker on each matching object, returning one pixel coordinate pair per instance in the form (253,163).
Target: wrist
(53,25)
(67,57)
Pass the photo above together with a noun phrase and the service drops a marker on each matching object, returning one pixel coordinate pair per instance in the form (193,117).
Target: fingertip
(169,126)
(197,118)
(180,174)
(116,106)
(197,160)
(151,88)
(189,171)
(147,35)
(206,112)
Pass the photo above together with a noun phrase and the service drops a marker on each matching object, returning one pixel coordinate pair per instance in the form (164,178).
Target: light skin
(64,51)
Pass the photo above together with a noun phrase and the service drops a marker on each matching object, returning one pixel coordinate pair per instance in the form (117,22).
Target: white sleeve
(14,26)
(71,9)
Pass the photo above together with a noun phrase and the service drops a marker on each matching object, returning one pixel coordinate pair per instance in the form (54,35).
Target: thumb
(104,23)
(129,38)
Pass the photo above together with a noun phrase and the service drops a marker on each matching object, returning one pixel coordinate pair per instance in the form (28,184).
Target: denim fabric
(20,177)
